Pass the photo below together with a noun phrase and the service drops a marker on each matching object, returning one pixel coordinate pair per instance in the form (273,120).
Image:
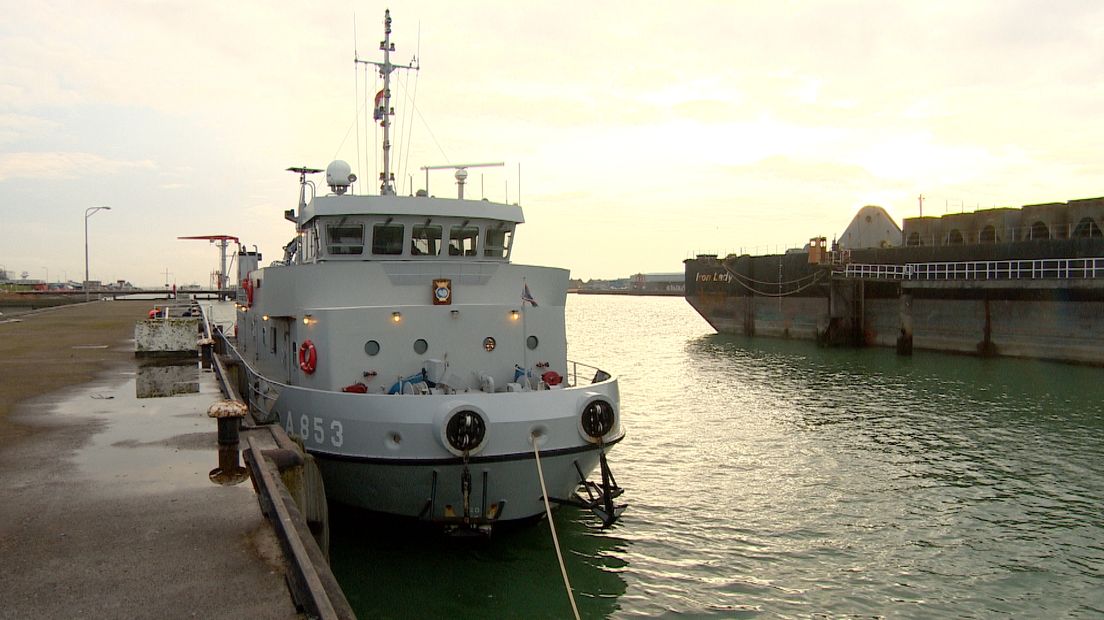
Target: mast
(383,110)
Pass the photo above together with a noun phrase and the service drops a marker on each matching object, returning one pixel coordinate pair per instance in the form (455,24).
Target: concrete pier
(106,506)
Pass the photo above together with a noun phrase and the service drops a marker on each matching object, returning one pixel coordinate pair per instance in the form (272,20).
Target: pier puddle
(164,377)
(142,444)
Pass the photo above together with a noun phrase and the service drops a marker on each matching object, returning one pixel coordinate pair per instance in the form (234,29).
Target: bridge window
(1039,230)
(463,240)
(426,240)
(387,239)
(988,235)
(497,244)
(913,239)
(954,238)
(345,240)
(1087,228)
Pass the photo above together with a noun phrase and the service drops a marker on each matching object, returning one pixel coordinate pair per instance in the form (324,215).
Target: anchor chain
(465,488)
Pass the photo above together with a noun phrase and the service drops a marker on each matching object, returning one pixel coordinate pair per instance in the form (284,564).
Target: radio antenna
(383,110)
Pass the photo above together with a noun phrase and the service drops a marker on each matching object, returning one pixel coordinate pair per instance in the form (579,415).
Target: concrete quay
(106,508)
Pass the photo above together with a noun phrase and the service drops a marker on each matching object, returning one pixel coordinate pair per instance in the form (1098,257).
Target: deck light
(396,317)
(514,315)
(264,318)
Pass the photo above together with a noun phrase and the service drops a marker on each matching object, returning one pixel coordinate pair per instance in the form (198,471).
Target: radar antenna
(383,110)
(304,182)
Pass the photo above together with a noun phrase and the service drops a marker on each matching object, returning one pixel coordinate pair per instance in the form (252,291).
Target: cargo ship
(1020,282)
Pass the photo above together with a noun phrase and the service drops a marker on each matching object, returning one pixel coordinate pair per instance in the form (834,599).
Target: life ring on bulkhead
(308,357)
(552,378)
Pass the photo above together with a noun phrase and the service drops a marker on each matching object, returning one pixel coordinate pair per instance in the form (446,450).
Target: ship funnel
(339,176)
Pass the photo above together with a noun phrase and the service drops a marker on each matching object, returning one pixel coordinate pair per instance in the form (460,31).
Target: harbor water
(772,478)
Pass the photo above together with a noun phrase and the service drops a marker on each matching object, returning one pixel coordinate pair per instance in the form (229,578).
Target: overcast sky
(646,132)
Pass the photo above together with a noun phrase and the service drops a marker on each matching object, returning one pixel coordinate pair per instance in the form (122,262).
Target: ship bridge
(406,228)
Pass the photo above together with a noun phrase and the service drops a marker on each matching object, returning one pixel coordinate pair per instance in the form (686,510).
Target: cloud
(782,168)
(14,126)
(62,165)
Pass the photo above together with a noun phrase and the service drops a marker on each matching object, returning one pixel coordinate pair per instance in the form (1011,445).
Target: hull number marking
(315,431)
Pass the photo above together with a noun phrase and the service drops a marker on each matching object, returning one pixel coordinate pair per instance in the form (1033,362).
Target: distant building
(656,282)
(1056,220)
(621,284)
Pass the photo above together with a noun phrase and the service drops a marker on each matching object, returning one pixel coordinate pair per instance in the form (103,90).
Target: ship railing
(590,374)
(261,392)
(1029,269)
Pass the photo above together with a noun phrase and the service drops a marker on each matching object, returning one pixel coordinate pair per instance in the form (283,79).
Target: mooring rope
(552,526)
(737,278)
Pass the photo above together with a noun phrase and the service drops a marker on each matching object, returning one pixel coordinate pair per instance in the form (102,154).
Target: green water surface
(771,478)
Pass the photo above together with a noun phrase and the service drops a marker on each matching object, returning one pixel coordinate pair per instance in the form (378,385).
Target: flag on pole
(378,112)
(527,297)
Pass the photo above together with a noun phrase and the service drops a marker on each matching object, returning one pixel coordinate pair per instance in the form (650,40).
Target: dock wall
(1056,330)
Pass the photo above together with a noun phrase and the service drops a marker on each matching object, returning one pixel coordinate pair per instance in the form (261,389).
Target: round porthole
(371,347)
(420,346)
(489,344)
(531,342)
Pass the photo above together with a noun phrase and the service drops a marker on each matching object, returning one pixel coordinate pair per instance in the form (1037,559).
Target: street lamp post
(89,212)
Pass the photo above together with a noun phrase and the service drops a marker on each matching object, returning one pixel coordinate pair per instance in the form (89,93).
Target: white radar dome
(339,176)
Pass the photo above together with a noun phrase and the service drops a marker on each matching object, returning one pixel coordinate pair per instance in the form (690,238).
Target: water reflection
(955,478)
(514,573)
(158,378)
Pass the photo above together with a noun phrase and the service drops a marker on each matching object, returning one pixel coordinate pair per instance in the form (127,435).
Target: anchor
(599,496)
(465,432)
(597,421)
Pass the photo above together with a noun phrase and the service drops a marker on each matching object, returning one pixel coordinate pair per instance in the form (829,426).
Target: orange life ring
(308,357)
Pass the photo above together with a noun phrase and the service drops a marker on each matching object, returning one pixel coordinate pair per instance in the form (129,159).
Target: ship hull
(389,453)
(1055,315)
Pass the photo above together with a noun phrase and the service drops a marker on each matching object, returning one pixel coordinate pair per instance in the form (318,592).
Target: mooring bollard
(229,414)
(229,471)
(205,347)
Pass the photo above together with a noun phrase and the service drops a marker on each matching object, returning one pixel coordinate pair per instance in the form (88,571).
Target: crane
(223,242)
